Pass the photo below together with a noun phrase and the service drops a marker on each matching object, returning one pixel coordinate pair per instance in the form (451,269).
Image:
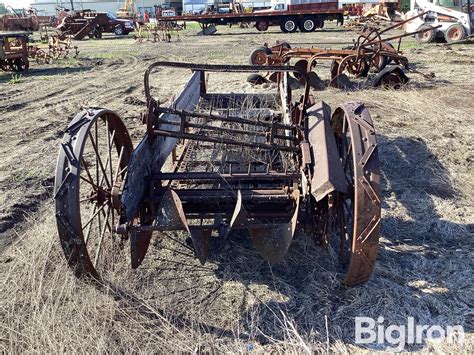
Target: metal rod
(199,137)
(205,226)
(400,36)
(217,176)
(223,129)
(235,119)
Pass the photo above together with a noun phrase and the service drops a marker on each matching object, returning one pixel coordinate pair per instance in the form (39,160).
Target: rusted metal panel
(149,156)
(328,175)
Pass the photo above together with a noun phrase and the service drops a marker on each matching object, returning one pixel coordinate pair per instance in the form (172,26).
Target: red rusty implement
(212,163)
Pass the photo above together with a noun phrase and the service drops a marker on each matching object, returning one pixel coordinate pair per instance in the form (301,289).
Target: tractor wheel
(288,25)
(379,62)
(259,56)
(307,24)
(357,67)
(392,77)
(455,33)
(262,26)
(356,217)
(90,172)
(334,68)
(427,36)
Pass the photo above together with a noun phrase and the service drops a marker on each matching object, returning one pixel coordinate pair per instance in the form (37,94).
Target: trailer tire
(261,26)
(259,55)
(455,33)
(307,24)
(288,25)
(319,23)
(427,36)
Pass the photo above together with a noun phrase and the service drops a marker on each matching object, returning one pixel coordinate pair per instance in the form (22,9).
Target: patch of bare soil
(236,302)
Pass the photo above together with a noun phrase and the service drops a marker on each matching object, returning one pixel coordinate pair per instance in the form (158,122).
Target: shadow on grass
(421,271)
(45,71)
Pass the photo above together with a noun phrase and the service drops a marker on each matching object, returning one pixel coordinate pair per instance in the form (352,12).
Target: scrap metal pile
(369,52)
(266,162)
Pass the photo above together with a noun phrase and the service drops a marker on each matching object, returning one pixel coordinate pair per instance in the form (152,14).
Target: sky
(18,3)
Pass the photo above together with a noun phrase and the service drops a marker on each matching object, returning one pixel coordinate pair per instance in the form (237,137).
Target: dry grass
(237,302)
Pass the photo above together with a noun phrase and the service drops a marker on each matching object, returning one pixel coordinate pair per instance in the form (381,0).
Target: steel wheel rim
(392,80)
(85,210)
(359,232)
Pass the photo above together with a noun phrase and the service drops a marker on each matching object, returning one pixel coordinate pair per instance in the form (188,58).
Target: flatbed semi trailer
(289,21)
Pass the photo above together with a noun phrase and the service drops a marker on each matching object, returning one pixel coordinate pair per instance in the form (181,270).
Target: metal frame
(304,167)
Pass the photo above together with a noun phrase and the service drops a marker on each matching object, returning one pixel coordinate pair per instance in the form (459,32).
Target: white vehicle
(454,16)
(167,13)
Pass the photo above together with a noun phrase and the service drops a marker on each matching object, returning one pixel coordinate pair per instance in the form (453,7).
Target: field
(237,302)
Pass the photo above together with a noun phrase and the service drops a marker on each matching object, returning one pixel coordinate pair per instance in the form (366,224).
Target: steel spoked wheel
(354,66)
(91,168)
(391,80)
(356,217)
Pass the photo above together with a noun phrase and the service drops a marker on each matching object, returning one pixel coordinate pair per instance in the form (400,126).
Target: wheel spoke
(110,139)
(101,239)
(99,162)
(94,215)
(86,238)
(89,182)
(107,219)
(87,169)
(85,199)
(96,154)
(118,165)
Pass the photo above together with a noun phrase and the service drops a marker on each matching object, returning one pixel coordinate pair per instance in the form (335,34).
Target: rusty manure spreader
(211,163)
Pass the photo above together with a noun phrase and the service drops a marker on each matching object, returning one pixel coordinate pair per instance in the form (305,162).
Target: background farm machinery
(59,47)
(159,32)
(14,51)
(211,163)
(14,20)
(86,23)
(369,52)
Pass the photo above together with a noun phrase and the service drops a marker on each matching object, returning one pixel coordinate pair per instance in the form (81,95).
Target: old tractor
(212,163)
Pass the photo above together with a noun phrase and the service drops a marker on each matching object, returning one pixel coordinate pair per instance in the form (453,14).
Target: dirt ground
(237,302)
